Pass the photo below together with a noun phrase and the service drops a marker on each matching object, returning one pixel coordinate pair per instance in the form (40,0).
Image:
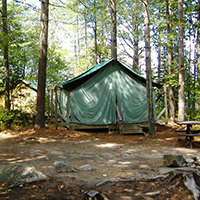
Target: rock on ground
(62,167)
(174,160)
(17,174)
(86,168)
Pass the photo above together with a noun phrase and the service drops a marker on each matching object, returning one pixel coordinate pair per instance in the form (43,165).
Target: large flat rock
(17,174)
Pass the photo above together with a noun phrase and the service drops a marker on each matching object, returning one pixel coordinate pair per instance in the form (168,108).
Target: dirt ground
(124,166)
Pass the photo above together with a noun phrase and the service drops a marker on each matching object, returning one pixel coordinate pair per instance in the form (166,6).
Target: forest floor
(124,166)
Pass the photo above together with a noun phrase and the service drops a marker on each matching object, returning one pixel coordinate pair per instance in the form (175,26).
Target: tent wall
(94,102)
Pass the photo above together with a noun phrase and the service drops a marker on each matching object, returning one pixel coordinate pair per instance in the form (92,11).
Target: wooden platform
(123,129)
(113,128)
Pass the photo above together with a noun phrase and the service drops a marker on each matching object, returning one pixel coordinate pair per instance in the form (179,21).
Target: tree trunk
(5,60)
(189,78)
(86,44)
(194,86)
(151,118)
(5,49)
(136,40)
(198,54)
(95,34)
(113,29)
(172,108)
(77,64)
(159,59)
(181,99)
(95,41)
(40,108)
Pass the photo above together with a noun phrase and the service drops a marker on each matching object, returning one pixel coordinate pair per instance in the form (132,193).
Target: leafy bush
(15,117)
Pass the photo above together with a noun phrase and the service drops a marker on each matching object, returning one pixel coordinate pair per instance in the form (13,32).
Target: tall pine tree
(40,109)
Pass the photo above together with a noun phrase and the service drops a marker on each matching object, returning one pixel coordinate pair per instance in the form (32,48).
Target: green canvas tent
(107,93)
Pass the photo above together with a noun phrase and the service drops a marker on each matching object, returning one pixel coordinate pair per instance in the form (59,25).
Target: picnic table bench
(189,133)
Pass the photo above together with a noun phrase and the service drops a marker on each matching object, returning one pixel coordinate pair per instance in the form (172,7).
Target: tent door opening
(118,118)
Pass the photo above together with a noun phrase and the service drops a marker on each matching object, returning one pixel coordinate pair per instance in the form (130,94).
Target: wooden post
(51,111)
(48,102)
(69,107)
(166,110)
(56,104)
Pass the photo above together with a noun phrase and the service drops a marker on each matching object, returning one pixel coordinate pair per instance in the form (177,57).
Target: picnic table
(189,133)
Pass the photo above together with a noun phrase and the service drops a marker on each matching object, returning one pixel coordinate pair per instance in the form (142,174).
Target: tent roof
(30,84)
(72,83)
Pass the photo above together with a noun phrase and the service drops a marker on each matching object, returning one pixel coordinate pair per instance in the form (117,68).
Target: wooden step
(135,131)
(131,129)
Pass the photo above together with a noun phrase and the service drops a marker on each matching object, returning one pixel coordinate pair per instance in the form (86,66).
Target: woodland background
(79,37)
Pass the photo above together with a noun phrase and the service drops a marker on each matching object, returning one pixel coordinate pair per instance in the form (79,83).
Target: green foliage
(173,79)
(58,69)
(22,43)
(5,116)
(23,34)
(15,117)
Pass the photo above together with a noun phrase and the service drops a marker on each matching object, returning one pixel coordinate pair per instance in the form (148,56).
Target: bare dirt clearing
(121,163)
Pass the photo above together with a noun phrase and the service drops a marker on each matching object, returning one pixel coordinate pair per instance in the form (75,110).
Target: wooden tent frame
(165,109)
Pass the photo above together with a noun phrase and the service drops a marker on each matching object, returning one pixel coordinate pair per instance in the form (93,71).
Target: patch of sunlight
(13,159)
(12,134)
(153,150)
(36,158)
(45,140)
(169,139)
(126,197)
(27,170)
(108,145)
(125,163)
(5,134)
(47,167)
(129,151)
(128,190)
(111,161)
(184,150)
(19,160)
(144,166)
